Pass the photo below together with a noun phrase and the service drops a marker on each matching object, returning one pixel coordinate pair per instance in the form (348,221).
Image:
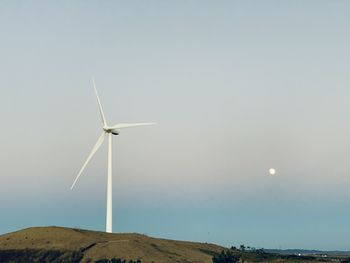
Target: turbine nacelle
(109,130)
(115,132)
(115,129)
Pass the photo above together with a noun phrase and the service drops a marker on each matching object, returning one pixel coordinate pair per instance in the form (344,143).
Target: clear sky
(237,87)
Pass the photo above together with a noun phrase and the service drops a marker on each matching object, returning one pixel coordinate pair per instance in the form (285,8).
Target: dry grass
(98,245)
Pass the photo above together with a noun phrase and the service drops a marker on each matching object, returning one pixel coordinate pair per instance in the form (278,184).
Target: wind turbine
(110,131)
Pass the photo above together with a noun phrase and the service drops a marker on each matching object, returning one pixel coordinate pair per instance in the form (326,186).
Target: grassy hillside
(57,244)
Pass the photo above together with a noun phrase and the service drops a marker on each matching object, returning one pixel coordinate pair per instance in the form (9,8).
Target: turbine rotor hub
(109,130)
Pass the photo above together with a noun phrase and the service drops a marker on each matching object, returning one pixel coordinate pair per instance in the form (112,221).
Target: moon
(272,171)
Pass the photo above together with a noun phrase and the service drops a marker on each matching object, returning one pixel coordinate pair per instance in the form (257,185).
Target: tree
(242,248)
(225,257)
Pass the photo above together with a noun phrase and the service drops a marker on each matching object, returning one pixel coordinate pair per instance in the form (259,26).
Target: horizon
(237,88)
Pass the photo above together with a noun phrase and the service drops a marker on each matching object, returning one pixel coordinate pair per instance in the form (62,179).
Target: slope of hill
(58,244)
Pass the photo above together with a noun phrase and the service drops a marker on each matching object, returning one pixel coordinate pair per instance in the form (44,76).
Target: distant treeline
(243,254)
(117,260)
(50,256)
(37,255)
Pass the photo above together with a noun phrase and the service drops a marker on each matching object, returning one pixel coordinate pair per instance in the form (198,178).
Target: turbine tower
(107,131)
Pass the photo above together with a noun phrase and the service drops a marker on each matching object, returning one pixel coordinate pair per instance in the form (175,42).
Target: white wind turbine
(107,130)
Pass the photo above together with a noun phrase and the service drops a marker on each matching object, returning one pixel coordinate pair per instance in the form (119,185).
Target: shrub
(117,260)
(225,257)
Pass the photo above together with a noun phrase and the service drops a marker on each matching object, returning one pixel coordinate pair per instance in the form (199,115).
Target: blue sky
(237,87)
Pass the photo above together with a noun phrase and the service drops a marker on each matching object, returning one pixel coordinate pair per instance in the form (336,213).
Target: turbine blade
(94,150)
(128,125)
(99,104)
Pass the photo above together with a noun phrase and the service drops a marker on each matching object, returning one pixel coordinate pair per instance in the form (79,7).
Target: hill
(58,244)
